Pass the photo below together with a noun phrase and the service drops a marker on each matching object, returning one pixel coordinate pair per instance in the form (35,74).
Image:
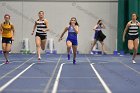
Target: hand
(123,39)
(12,38)
(0,32)
(44,30)
(73,25)
(129,24)
(139,24)
(32,33)
(60,39)
(101,24)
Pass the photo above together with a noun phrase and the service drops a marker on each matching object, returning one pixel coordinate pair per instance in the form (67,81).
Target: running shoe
(39,58)
(91,53)
(7,62)
(133,61)
(74,61)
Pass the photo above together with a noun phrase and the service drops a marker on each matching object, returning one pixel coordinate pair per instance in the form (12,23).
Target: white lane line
(130,68)
(57,79)
(99,77)
(78,77)
(81,91)
(53,74)
(16,77)
(30,77)
(127,66)
(2,64)
(101,80)
(76,61)
(15,69)
(61,91)
(24,90)
(104,62)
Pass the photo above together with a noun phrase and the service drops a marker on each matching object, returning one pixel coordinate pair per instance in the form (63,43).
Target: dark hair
(75,20)
(135,14)
(6,15)
(99,21)
(40,12)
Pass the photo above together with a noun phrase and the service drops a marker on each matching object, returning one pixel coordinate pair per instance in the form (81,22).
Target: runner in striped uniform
(133,36)
(41,33)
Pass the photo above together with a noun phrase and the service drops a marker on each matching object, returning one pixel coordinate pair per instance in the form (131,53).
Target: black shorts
(133,37)
(42,37)
(99,36)
(7,40)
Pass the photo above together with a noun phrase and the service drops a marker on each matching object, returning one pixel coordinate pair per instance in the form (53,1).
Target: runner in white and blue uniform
(71,40)
(133,36)
(99,36)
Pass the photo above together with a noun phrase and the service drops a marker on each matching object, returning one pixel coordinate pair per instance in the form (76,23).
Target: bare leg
(38,46)
(6,49)
(74,51)
(43,44)
(103,48)
(94,43)
(131,47)
(136,44)
(69,45)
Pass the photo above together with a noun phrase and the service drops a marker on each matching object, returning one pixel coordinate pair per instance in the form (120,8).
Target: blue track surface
(55,74)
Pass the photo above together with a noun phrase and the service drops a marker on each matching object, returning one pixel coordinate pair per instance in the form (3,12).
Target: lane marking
(15,69)
(130,68)
(2,64)
(127,66)
(53,74)
(107,89)
(24,90)
(55,87)
(70,62)
(101,80)
(16,77)
(78,77)
(26,77)
(63,91)
(104,62)
(81,91)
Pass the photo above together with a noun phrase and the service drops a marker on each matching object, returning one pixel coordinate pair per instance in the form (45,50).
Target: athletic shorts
(42,37)
(74,42)
(133,37)
(7,40)
(99,36)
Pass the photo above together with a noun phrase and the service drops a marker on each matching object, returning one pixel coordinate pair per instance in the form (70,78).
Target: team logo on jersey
(10,42)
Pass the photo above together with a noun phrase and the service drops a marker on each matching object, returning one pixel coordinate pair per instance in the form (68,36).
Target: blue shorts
(74,42)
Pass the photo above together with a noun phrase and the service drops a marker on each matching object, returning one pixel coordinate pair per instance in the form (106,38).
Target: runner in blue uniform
(71,40)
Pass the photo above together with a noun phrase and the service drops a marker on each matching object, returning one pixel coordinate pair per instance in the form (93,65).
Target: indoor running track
(55,74)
